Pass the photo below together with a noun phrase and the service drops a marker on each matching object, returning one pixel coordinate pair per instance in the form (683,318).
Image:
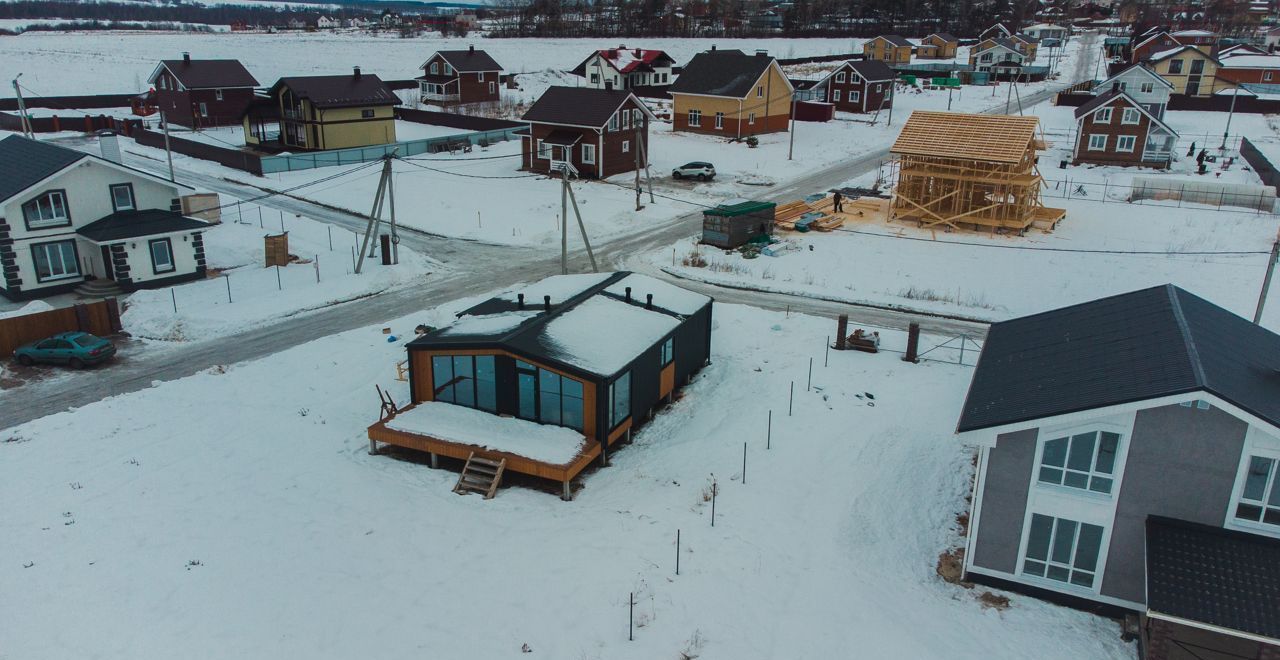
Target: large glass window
(668,351)
(47,210)
(465,380)
(1260,497)
(547,397)
(55,261)
(1086,461)
(620,400)
(1062,550)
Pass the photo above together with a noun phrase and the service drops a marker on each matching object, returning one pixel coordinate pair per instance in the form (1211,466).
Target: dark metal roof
(945,36)
(894,39)
(1221,577)
(136,224)
(577,106)
(872,70)
(562,137)
(348,91)
(728,73)
(1132,347)
(205,74)
(1097,102)
(25,162)
(469,61)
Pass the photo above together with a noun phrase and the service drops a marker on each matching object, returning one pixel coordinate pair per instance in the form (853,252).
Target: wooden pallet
(480,475)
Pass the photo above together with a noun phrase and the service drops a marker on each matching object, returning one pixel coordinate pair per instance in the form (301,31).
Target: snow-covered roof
(603,335)
(1251,62)
(559,287)
(489,324)
(665,295)
(546,443)
(1193,33)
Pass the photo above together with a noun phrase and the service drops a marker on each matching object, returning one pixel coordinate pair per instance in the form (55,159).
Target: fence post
(228,279)
(174,296)
(279,286)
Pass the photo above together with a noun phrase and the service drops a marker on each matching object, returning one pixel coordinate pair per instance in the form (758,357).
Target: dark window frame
(151,251)
(367,113)
(66,205)
(667,351)
(75,248)
(537,371)
(614,420)
(133,198)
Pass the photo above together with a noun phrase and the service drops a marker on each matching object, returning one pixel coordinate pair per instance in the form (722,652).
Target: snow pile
(603,335)
(444,421)
(33,307)
(489,324)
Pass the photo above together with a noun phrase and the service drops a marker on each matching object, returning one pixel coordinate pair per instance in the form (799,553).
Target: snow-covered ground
(236,514)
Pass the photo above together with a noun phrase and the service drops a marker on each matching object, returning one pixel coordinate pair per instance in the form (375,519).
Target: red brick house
(1242,67)
(590,132)
(859,86)
(454,77)
(1114,129)
(199,93)
(1152,44)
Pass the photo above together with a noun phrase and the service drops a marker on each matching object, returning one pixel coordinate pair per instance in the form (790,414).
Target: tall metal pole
(168,153)
(395,235)
(637,152)
(791,148)
(1231,113)
(22,108)
(893,86)
(1266,281)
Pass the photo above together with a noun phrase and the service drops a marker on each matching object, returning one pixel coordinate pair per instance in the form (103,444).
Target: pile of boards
(803,216)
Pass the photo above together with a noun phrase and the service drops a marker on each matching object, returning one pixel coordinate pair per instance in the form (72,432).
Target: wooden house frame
(956,169)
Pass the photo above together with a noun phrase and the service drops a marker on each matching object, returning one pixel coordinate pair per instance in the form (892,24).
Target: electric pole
(167,151)
(791,148)
(1235,91)
(385,186)
(22,109)
(1266,280)
(564,220)
(639,206)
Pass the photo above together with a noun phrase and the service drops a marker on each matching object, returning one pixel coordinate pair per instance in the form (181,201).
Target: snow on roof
(489,324)
(1193,33)
(603,335)
(1165,53)
(667,296)
(559,287)
(1252,61)
(557,445)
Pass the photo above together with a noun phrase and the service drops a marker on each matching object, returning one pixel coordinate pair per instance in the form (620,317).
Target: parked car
(696,170)
(74,349)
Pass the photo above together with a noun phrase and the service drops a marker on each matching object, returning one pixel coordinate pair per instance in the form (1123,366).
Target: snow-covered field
(236,514)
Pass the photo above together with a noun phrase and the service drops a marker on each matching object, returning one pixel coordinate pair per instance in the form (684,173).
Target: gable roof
(583,308)
(579,106)
(627,60)
(1106,84)
(945,36)
(1127,348)
(1116,95)
(896,40)
(727,73)
(25,162)
(1166,54)
(1240,49)
(988,138)
(1221,577)
(999,42)
(466,61)
(868,70)
(1156,35)
(1250,61)
(135,224)
(347,91)
(206,74)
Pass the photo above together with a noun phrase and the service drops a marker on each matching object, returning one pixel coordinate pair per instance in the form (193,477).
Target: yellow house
(938,46)
(730,93)
(889,48)
(1028,46)
(325,112)
(1190,70)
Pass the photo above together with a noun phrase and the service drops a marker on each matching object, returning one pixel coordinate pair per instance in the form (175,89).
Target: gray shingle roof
(895,39)
(469,61)
(576,106)
(24,163)
(347,91)
(205,74)
(1132,347)
(136,224)
(729,73)
(872,70)
(1217,576)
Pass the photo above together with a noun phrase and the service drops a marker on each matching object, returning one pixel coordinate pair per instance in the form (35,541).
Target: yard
(271,532)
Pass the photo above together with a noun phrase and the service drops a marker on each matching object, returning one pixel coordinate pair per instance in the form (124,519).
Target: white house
(328,23)
(1142,85)
(997,55)
(626,68)
(1044,31)
(67,217)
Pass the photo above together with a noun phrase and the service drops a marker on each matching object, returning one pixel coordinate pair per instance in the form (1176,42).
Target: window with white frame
(480,76)
(1266,76)
(1062,550)
(161,256)
(493,87)
(47,210)
(835,96)
(626,146)
(1147,88)
(1102,116)
(204,109)
(879,88)
(695,117)
(589,154)
(122,197)
(751,119)
(435,67)
(1126,143)
(1260,496)
(1130,116)
(544,150)
(1084,460)
(55,261)
(1097,142)
(760,91)
(217,94)
(613,122)
(448,69)
(840,77)
(986,57)
(854,95)
(719,120)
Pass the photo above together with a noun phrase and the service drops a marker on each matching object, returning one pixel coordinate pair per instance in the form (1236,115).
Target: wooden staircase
(480,475)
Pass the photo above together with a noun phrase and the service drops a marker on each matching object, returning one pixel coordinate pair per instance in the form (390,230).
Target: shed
(732,225)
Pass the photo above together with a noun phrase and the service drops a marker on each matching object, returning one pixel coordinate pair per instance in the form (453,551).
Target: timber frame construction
(971,170)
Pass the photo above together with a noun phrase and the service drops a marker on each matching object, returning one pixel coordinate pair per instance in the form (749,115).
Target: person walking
(839,207)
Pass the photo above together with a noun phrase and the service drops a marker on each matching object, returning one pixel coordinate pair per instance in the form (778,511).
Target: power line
(456,160)
(468,176)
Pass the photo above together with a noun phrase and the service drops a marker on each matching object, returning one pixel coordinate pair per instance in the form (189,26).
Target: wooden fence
(234,158)
(99,318)
(1216,103)
(75,122)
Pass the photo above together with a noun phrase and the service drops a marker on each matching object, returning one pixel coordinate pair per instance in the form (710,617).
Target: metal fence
(1171,193)
(334,157)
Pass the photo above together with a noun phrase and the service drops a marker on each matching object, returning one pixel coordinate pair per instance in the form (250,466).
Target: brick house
(1241,67)
(1151,44)
(1115,129)
(730,93)
(197,93)
(594,133)
(454,77)
(889,48)
(938,46)
(858,86)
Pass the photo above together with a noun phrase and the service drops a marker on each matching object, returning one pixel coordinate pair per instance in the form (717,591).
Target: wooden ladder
(480,475)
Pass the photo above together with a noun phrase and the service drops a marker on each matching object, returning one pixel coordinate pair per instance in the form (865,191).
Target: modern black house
(594,354)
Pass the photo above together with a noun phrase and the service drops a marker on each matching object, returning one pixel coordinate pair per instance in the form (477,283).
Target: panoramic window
(1260,497)
(47,210)
(1086,461)
(1062,550)
(465,380)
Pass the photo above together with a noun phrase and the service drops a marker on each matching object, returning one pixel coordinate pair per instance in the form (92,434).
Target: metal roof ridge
(1193,355)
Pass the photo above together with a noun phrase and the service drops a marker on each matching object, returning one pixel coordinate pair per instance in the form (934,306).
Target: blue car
(74,349)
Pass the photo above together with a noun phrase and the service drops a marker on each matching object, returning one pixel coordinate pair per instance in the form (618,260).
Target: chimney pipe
(546,302)
(356,71)
(713,48)
(762,53)
(471,48)
(628,294)
(648,301)
(520,301)
(186,57)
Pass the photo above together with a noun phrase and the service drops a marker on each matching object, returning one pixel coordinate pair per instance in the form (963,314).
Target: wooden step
(480,475)
(486,461)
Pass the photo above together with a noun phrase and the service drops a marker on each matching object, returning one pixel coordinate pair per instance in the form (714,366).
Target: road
(471,268)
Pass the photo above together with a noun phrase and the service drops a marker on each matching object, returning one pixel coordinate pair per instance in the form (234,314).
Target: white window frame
(840,77)
(1120,142)
(54,219)
(588,154)
(132,204)
(1131,116)
(1266,76)
(1264,445)
(613,122)
(217,94)
(448,69)
(626,146)
(492,87)
(1102,116)
(204,109)
(835,96)
(719,121)
(1147,88)
(435,68)
(1094,146)
(855,96)
(543,151)
(879,87)
(479,76)
(759,91)
(68,268)
(1092,472)
(751,119)
(1094,584)
(695,118)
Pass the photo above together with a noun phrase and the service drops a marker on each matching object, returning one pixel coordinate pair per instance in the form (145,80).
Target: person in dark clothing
(839,208)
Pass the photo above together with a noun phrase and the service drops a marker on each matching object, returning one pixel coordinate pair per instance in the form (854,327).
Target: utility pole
(893,86)
(581,226)
(1235,91)
(1009,99)
(564,221)
(949,90)
(168,152)
(375,214)
(791,148)
(395,234)
(639,206)
(1266,281)
(22,109)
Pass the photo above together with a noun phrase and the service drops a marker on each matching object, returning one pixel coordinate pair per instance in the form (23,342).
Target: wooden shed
(733,225)
(974,170)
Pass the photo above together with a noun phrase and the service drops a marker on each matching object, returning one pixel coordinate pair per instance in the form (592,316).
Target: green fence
(334,157)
